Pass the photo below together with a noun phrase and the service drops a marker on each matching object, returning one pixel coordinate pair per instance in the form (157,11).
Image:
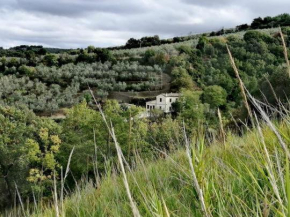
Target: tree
(86,57)
(242,27)
(42,51)
(176,39)
(181,79)
(104,55)
(26,70)
(202,41)
(279,80)
(190,109)
(160,58)
(79,126)
(12,140)
(150,53)
(31,57)
(91,49)
(257,23)
(257,36)
(17,128)
(50,60)
(82,124)
(41,155)
(215,96)
(133,43)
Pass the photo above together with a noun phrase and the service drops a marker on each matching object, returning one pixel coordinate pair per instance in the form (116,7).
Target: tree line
(258,23)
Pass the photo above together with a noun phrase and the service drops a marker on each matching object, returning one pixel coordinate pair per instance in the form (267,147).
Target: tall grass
(249,176)
(238,176)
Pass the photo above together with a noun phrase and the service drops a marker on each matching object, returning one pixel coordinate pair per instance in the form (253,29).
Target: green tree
(190,109)
(215,96)
(79,127)
(202,41)
(279,81)
(18,127)
(50,60)
(104,55)
(91,49)
(26,70)
(181,79)
(42,159)
(148,55)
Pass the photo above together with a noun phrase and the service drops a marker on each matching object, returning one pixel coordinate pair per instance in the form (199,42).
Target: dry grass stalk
(222,127)
(280,171)
(285,51)
(167,214)
(240,83)
(34,201)
(195,181)
(269,164)
(137,184)
(96,172)
(125,180)
(55,196)
(272,89)
(64,178)
(119,153)
(270,124)
(20,200)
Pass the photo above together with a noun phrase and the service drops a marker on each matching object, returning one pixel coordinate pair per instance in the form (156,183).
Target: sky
(104,23)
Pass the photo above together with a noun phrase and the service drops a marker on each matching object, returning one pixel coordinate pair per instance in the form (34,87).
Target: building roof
(170,94)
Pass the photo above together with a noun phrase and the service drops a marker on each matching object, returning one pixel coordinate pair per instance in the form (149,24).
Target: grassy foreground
(246,176)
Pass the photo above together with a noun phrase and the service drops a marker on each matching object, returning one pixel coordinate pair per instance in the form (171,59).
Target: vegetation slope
(245,176)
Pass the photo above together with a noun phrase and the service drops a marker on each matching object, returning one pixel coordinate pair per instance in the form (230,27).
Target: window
(170,100)
(160,99)
(147,106)
(154,107)
(160,107)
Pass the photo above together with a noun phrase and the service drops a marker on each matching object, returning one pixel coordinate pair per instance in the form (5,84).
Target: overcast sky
(102,23)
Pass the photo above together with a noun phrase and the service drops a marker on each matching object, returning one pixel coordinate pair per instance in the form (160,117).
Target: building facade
(162,102)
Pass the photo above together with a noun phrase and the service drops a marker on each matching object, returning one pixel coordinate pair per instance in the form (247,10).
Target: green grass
(248,176)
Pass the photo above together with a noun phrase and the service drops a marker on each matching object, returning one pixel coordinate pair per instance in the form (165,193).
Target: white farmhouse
(162,102)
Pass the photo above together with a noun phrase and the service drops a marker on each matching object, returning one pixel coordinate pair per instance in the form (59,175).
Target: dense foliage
(44,88)
(34,150)
(258,56)
(28,145)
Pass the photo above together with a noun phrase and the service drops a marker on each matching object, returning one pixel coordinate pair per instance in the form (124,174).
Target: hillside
(46,83)
(246,176)
(48,80)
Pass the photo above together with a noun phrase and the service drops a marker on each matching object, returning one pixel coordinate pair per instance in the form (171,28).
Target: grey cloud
(257,7)
(78,7)
(208,3)
(79,23)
